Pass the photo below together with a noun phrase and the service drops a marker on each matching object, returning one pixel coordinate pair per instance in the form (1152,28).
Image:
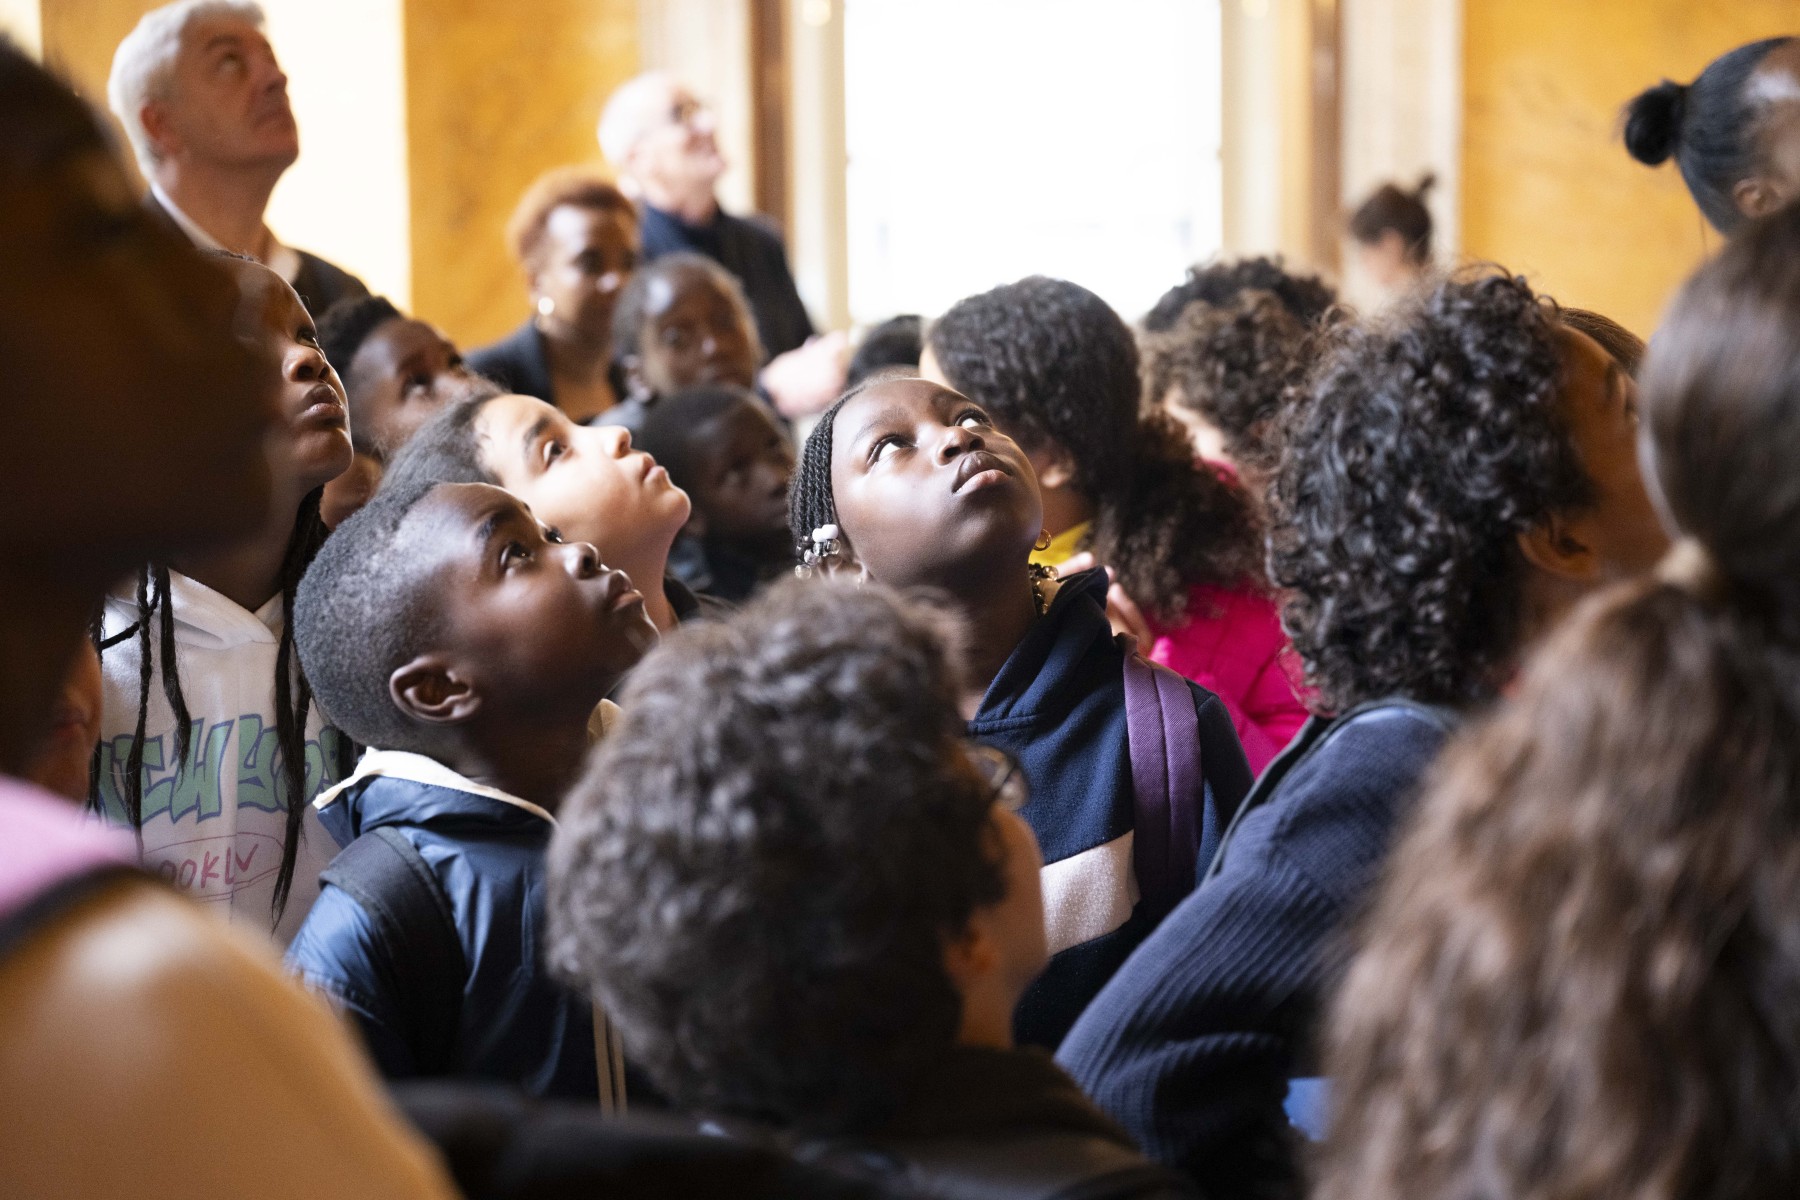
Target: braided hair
(810,503)
(293,695)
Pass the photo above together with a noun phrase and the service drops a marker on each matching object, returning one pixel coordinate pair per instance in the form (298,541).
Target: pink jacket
(1230,642)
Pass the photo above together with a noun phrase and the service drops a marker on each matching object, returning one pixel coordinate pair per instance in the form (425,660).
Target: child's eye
(553,450)
(880,449)
(974,419)
(553,535)
(308,336)
(515,552)
(418,383)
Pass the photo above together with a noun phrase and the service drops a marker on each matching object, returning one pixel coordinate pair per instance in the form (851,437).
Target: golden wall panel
(1547,188)
(497,93)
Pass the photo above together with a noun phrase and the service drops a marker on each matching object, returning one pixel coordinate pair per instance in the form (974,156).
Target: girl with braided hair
(909,484)
(210,745)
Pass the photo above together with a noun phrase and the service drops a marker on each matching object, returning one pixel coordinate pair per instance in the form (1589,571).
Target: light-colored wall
(1547,188)
(497,94)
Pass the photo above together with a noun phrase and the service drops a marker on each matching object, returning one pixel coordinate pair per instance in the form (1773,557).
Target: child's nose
(961,440)
(306,364)
(616,439)
(582,560)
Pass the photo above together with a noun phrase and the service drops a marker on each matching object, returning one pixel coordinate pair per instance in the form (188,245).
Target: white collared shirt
(283,260)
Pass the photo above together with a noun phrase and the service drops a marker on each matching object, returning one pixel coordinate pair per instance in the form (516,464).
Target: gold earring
(1043,542)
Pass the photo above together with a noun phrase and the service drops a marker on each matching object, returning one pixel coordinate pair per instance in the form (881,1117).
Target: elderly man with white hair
(660,139)
(205,104)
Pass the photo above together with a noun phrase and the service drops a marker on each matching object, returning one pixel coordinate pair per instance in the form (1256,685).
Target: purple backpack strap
(1164,733)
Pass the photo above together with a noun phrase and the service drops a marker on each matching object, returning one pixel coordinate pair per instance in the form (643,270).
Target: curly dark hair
(1053,363)
(1425,446)
(1221,282)
(1235,365)
(762,902)
(1623,346)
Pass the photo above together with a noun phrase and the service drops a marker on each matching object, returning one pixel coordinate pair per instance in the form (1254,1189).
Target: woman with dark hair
(1392,230)
(1456,479)
(1580,978)
(576,238)
(1734,131)
(1057,369)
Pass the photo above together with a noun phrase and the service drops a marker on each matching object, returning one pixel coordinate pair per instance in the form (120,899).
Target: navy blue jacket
(750,251)
(1058,707)
(1191,1045)
(487,850)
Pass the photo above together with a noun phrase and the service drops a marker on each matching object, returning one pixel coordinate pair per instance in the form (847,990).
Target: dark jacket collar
(396,788)
(971,1091)
(1039,668)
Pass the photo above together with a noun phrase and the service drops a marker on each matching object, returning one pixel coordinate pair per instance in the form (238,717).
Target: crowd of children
(1269,751)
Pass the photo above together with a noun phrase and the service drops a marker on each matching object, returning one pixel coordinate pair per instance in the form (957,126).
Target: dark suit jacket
(320,284)
(520,362)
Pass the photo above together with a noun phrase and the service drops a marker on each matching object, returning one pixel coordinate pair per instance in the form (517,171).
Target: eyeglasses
(686,110)
(1001,773)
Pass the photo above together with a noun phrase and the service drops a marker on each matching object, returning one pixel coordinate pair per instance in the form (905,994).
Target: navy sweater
(1191,1045)
(1058,707)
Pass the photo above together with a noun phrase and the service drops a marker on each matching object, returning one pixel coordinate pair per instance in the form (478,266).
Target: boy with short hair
(468,645)
(721,446)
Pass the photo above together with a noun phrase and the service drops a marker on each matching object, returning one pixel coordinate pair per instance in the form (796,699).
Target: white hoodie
(215,829)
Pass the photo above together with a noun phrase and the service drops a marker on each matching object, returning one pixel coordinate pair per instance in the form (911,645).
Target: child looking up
(683,321)
(1453,482)
(818,905)
(467,645)
(397,373)
(1058,370)
(721,447)
(584,481)
(911,485)
(210,743)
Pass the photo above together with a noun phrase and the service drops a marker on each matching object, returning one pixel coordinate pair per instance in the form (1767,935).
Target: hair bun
(1653,122)
(1427,181)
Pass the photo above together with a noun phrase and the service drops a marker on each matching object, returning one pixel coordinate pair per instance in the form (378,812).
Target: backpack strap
(386,874)
(1167,783)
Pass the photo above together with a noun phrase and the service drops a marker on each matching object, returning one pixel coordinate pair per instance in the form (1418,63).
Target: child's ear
(433,691)
(1053,465)
(1561,548)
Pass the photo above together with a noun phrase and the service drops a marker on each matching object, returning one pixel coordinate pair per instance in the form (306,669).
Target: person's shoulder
(1365,765)
(758,229)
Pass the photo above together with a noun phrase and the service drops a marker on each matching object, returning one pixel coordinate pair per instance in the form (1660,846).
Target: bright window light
(993,139)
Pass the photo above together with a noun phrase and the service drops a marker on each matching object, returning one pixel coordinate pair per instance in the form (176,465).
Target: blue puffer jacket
(487,850)
(1058,707)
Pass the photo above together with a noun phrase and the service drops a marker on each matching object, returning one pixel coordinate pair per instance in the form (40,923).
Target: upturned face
(316,448)
(695,332)
(1600,405)
(228,102)
(586,257)
(680,152)
(404,372)
(530,618)
(741,472)
(586,481)
(927,490)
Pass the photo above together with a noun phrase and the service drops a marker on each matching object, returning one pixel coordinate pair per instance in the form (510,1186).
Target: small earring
(545,306)
(1043,542)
